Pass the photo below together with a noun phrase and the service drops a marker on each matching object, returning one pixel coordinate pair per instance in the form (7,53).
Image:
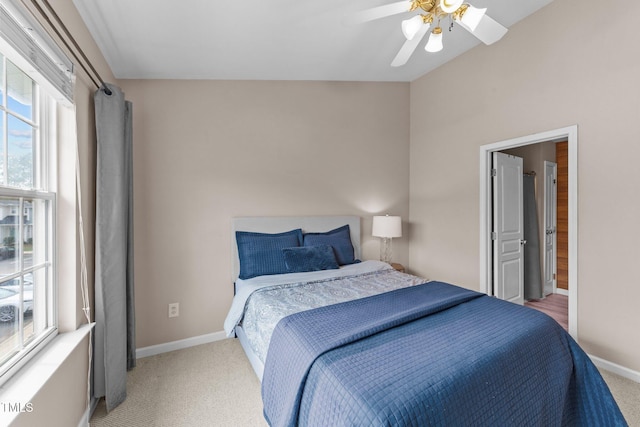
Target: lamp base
(386,250)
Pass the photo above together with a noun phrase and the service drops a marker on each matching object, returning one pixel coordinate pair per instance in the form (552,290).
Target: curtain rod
(99,82)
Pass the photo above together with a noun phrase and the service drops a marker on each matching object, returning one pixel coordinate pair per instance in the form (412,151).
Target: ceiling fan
(415,28)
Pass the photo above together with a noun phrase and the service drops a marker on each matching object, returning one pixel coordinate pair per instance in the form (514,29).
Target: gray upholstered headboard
(278,224)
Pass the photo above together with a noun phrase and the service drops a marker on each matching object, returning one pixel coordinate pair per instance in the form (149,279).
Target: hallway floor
(555,305)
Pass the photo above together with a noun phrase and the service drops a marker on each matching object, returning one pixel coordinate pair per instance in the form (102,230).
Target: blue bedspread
(433,354)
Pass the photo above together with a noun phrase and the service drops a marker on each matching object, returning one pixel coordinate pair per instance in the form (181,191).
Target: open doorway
(569,135)
(545,223)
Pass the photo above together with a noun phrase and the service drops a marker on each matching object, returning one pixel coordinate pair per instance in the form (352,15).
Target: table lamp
(386,227)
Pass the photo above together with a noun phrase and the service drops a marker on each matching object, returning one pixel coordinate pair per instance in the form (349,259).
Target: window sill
(20,389)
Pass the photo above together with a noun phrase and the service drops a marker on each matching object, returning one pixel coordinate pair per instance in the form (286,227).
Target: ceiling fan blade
(408,47)
(381,12)
(488,30)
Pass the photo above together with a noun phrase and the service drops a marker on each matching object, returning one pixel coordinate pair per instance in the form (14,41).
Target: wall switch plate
(174,309)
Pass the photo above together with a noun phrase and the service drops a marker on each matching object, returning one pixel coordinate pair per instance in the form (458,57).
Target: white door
(550,239)
(508,242)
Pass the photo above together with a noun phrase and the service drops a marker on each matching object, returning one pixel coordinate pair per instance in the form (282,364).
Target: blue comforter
(433,354)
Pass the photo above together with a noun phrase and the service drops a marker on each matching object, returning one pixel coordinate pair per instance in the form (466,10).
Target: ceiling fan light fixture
(410,27)
(471,16)
(432,13)
(435,41)
(450,6)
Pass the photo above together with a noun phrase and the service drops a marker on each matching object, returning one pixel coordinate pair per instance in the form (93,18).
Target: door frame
(570,134)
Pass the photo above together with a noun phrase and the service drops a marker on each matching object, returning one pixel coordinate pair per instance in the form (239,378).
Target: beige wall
(562,66)
(207,151)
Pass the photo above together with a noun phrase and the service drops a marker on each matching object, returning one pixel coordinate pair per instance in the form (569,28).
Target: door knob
(523,242)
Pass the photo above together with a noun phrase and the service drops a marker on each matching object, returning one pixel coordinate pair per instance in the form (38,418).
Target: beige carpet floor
(206,385)
(214,385)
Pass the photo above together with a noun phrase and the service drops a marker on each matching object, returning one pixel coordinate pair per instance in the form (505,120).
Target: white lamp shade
(387,226)
(435,42)
(411,26)
(450,6)
(472,17)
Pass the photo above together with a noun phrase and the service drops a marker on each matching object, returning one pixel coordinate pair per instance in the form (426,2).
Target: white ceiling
(268,40)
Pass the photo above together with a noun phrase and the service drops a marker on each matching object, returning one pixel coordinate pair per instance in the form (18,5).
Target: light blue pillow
(339,239)
(261,253)
(310,258)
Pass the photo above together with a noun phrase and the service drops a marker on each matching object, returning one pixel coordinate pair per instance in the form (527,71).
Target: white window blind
(23,33)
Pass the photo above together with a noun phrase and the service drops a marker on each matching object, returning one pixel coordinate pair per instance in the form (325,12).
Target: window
(27,289)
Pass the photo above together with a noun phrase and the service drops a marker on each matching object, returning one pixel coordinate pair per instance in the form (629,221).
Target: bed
(336,341)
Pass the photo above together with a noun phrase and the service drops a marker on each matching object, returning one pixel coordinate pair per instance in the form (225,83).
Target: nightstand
(398,267)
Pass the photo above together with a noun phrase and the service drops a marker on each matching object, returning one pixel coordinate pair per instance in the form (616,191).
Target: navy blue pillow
(261,253)
(310,258)
(339,239)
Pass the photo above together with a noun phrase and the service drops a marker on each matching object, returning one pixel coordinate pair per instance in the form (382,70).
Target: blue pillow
(310,258)
(339,239)
(261,253)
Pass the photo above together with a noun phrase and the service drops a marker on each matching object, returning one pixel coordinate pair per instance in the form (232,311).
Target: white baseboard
(152,350)
(93,405)
(84,421)
(616,369)
(562,292)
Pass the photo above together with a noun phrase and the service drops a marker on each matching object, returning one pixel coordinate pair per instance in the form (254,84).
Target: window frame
(44,160)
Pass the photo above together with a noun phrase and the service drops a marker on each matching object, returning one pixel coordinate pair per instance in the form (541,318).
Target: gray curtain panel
(533,286)
(114,344)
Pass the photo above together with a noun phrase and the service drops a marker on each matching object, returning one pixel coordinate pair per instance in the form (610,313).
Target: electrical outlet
(174,309)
